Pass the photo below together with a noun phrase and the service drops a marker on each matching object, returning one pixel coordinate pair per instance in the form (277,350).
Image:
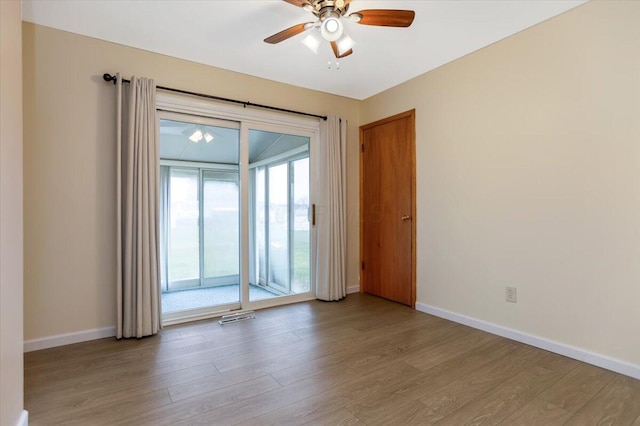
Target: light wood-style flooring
(363,360)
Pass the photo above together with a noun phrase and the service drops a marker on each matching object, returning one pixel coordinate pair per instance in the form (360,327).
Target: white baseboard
(68,338)
(354,289)
(24,419)
(599,360)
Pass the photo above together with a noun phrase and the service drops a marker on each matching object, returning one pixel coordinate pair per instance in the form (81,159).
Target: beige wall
(11,384)
(70,166)
(528,175)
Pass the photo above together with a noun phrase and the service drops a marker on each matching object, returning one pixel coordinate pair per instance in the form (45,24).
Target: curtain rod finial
(109,77)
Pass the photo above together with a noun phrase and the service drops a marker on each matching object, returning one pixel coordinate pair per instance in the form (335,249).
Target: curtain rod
(109,77)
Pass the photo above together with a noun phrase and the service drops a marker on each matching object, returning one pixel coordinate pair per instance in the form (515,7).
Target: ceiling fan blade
(334,46)
(347,53)
(299,3)
(385,17)
(285,34)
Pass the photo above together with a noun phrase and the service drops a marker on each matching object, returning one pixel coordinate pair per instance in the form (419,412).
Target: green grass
(222,257)
(301,262)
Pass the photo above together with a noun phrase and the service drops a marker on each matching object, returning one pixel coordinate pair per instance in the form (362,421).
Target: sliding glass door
(236,229)
(200,213)
(280,255)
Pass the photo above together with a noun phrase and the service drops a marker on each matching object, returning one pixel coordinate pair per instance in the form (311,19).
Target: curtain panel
(138,170)
(331,240)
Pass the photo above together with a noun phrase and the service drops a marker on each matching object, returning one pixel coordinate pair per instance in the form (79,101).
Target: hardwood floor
(362,361)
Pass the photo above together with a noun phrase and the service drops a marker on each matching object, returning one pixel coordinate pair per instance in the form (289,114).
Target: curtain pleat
(331,208)
(138,174)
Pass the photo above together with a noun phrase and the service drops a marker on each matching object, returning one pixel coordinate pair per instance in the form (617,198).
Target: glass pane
(301,228)
(280,199)
(200,212)
(261,238)
(185,141)
(221,228)
(279,226)
(184,234)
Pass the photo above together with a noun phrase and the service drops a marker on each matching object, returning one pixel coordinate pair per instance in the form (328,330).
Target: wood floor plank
(538,413)
(349,386)
(86,362)
(467,340)
(203,403)
(305,411)
(577,388)
(106,414)
(495,406)
(472,386)
(430,381)
(365,352)
(413,413)
(291,357)
(558,403)
(293,353)
(207,384)
(337,418)
(559,363)
(75,398)
(107,377)
(627,381)
(107,347)
(243,410)
(363,360)
(216,353)
(618,403)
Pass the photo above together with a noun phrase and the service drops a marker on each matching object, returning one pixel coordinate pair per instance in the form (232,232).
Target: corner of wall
(11,216)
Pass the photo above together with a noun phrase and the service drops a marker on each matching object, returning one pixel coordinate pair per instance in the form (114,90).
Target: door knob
(406,217)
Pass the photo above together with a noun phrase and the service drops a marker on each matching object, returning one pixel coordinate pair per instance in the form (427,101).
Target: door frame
(411,114)
(258,120)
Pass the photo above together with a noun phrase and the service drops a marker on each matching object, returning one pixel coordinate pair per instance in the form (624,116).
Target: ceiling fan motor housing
(322,8)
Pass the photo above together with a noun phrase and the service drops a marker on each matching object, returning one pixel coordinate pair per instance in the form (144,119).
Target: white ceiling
(229,34)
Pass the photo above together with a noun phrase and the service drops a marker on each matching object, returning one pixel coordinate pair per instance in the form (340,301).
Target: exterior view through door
(202,215)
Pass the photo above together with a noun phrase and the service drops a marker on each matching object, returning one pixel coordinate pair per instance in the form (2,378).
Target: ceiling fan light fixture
(331,28)
(312,41)
(355,17)
(345,43)
(196,136)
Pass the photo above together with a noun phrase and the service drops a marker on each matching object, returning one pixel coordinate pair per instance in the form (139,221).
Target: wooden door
(387,208)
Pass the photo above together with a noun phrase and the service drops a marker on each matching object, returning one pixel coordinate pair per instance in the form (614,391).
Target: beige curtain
(138,170)
(331,240)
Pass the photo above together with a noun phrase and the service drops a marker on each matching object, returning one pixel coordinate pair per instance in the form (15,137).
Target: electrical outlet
(512,295)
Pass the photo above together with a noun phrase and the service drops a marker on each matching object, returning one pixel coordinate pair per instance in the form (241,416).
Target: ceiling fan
(329,14)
